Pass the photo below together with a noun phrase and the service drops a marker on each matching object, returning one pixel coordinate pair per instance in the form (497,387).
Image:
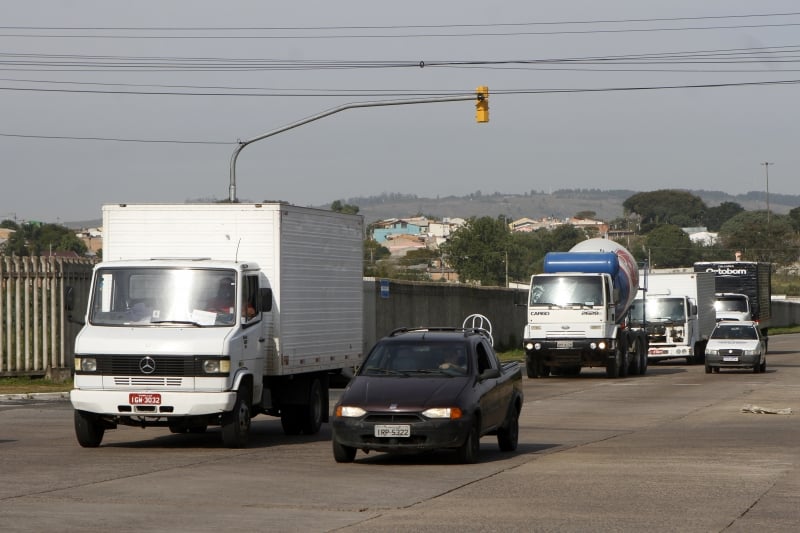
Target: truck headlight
(217,366)
(86,364)
(443,412)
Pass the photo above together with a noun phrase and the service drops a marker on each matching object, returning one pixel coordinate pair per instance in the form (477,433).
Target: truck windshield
(567,290)
(658,310)
(737,305)
(163,296)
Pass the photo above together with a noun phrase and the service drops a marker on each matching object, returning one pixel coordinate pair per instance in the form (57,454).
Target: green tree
(478,249)
(761,237)
(339,207)
(9,224)
(33,239)
(669,247)
(666,206)
(715,217)
(794,215)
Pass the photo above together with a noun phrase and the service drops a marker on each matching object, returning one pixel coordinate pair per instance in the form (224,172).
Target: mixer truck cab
(577,310)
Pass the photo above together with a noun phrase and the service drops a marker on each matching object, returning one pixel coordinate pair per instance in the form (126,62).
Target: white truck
(209,314)
(676,309)
(577,313)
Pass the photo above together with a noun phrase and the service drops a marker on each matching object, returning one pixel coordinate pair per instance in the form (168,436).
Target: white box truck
(209,314)
(676,309)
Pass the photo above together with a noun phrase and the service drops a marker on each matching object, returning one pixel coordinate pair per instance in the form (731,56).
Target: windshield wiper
(181,322)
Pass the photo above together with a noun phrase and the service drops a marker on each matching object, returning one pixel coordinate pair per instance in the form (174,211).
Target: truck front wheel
(535,367)
(88,429)
(236,424)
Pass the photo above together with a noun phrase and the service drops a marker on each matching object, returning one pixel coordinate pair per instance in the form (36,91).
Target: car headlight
(349,411)
(443,412)
(750,352)
(86,364)
(711,351)
(217,366)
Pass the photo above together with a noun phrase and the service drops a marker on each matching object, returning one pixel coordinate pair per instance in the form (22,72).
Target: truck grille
(163,365)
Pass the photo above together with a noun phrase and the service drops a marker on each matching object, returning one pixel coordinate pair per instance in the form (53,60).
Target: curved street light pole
(333,111)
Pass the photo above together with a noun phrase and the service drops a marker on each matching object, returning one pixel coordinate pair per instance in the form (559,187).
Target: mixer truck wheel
(615,365)
(535,367)
(634,357)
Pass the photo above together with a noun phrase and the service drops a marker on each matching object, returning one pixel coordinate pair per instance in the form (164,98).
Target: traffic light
(482,104)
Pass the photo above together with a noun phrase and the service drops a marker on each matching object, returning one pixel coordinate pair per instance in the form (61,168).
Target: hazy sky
(82,80)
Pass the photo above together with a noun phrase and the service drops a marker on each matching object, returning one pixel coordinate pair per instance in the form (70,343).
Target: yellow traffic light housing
(482,104)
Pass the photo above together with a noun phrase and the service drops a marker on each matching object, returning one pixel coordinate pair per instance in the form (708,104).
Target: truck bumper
(126,403)
(571,352)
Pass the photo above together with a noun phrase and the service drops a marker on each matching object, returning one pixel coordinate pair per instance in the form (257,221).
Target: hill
(559,204)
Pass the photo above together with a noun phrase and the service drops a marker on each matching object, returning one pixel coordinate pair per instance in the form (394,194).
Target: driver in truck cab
(224,300)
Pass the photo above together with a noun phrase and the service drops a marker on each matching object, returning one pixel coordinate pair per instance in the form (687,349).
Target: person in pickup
(453,360)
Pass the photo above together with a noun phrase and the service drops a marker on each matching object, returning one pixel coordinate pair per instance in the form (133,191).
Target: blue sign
(384,288)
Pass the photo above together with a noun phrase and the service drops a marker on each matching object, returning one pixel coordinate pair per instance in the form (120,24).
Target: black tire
(763,367)
(311,419)
(535,367)
(708,368)
(342,453)
(624,363)
(88,429)
(469,451)
(612,366)
(236,424)
(508,434)
(757,367)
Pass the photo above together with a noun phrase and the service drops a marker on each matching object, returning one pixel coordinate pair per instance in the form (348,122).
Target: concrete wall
(413,304)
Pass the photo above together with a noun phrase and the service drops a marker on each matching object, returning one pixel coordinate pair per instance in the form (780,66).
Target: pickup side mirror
(265,294)
(489,373)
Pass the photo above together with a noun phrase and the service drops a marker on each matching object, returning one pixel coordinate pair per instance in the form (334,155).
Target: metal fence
(35,333)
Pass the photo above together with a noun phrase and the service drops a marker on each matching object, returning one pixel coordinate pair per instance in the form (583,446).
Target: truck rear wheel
(236,424)
(312,412)
(88,429)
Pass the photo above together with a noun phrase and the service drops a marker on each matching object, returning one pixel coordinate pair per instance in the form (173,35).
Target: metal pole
(333,111)
(766,170)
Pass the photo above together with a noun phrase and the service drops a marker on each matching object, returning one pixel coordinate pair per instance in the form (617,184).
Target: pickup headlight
(217,366)
(452,413)
(86,364)
(349,411)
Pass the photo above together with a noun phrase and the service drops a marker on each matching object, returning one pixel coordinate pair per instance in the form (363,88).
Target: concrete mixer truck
(577,312)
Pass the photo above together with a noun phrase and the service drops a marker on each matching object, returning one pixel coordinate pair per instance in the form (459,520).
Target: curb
(38,396)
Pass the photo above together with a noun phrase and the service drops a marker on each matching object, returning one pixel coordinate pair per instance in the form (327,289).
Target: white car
(736,345)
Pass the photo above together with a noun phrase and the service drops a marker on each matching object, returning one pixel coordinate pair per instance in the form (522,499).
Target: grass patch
(27,384)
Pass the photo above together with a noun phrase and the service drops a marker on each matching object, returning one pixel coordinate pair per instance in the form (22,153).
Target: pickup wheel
(88,429)
(236,424)
(342,453)
(508,434)
(469,451)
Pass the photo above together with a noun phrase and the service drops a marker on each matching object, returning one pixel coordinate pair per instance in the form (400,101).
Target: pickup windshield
(426,358)
(163,297)
(567,290)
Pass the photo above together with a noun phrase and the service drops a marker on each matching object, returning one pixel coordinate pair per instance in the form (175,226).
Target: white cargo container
(159,348)
(677,312)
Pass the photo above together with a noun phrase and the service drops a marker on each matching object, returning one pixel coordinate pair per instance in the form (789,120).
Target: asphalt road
(669,451)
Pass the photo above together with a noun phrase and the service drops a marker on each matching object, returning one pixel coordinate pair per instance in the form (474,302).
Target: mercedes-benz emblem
(147,365)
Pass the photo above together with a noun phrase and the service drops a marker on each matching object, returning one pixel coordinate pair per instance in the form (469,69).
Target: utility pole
(766,165)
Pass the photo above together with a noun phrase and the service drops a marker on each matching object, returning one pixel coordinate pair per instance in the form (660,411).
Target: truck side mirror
(265,294)
(615,295)
(693,309)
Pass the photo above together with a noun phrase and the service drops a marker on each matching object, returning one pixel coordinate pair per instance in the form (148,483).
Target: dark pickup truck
(429,388)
